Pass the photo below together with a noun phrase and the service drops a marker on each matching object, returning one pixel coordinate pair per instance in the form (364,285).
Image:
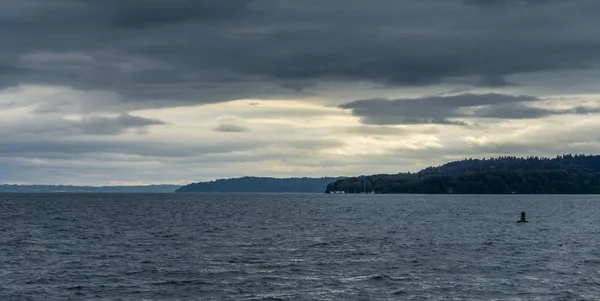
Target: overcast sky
(175,91)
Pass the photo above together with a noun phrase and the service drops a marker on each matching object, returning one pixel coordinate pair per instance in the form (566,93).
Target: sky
(177,91)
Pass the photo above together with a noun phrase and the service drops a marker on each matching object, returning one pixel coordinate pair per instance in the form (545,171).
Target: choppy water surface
(298,247)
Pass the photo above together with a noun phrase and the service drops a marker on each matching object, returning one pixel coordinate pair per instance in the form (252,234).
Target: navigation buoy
(523,218)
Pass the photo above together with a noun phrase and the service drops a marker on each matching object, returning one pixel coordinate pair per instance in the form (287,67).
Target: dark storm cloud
(30,148)
(447,109)
(168,53)
(370,130)
(314,144)
(66,148)
(9,74)
(231,124)
(231,128)
(87,125)
(521,111)
(509,3)
(113,125)
(140,14)
(8,68)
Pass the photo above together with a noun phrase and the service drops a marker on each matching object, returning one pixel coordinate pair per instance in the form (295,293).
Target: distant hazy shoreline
(88,189)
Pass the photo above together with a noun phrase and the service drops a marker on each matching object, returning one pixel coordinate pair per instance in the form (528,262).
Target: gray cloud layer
(87,125)
(201,51)
(231,128)
(446,109)
(121,56)
(113,126)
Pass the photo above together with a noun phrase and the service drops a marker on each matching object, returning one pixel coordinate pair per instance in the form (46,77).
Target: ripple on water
(297,247)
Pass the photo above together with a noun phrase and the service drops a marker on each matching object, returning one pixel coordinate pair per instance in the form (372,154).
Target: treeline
(566,174)
(509,163)
(261,184)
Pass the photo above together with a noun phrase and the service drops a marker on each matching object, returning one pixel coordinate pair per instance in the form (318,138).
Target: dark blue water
(298,247)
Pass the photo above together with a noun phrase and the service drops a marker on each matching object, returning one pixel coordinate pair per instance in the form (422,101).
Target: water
(298,247)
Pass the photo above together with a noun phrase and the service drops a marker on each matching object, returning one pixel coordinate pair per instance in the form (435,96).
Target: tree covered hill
(261,184)
(517,164)
(566,174)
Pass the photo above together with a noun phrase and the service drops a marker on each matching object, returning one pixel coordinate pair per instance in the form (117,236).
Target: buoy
(523,218)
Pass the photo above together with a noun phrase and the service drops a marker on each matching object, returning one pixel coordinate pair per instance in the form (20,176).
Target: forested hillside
(567,174)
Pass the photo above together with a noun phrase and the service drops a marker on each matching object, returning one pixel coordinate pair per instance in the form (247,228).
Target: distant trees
(564,174)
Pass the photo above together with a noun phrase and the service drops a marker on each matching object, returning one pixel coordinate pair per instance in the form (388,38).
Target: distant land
(89,189)
(261,185)
(565,174)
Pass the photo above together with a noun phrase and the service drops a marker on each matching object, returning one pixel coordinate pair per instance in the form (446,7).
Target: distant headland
(564,174)
(261,185)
